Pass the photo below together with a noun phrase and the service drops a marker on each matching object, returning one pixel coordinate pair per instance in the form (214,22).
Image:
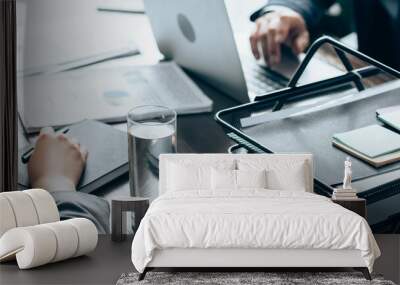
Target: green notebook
(372,141)
(392,119)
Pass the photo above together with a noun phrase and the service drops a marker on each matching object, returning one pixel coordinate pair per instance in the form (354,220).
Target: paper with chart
(108,94)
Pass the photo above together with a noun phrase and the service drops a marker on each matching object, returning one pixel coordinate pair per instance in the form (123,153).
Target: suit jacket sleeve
(311,10)
(74,204)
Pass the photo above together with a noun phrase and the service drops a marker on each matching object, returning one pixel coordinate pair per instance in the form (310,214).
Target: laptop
(198,36)
(55,90)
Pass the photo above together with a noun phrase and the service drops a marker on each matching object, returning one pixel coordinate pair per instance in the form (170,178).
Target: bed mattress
(250,219)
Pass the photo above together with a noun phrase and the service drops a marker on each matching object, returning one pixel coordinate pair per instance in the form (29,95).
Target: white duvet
(250,219)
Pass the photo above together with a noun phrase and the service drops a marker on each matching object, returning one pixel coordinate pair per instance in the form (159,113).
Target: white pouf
(31,231)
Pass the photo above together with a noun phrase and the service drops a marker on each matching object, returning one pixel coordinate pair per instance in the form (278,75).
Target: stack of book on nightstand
(344,194)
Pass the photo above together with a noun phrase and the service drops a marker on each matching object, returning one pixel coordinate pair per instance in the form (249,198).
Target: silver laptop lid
(198,36)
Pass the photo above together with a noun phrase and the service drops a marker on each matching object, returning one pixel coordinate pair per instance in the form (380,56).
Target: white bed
(200,221)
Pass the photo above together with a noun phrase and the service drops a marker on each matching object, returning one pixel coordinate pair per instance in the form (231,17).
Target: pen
(100,9)
(27,154)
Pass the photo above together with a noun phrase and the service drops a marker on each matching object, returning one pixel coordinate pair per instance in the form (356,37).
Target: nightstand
(358,206)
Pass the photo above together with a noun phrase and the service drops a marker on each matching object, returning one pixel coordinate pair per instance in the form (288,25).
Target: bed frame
(242,259)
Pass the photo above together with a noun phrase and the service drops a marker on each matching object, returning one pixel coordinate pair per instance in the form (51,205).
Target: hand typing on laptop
(294,22)
(281,26)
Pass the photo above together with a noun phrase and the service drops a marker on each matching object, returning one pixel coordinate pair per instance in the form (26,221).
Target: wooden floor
(106,264)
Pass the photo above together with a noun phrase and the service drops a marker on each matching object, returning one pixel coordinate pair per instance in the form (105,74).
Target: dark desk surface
(102,266)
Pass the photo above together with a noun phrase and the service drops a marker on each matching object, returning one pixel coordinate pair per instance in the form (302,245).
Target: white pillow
(282,174)
(183,178)
(225,179)
(251,179)
(293,180)
(187,175)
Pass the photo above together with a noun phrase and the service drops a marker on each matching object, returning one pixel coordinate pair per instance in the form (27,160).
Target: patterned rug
(243,278)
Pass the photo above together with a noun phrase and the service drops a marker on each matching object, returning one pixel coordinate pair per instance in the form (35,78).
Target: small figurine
(347,174)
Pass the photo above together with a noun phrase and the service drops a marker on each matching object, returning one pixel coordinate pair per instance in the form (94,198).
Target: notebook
(372,141)
(395,108)
(391,119)
(374,144)
(376,162)
(107,159)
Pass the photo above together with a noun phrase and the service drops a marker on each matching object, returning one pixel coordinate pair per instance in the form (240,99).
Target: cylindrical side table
(119,206)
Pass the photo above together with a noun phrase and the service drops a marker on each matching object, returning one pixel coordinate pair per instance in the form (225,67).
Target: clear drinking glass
(151,131)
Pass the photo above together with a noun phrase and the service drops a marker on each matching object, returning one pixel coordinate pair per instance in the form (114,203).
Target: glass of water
(151,132)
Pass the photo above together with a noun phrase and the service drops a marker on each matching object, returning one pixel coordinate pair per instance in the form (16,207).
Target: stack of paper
(374,144)
(344,194)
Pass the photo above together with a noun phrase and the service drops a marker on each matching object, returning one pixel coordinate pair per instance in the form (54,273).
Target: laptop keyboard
(260,80)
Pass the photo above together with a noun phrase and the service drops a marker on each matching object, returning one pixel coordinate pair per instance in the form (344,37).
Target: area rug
(244,278)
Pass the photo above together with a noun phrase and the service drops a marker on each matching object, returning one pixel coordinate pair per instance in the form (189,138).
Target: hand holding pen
(56,160)
(27,154)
